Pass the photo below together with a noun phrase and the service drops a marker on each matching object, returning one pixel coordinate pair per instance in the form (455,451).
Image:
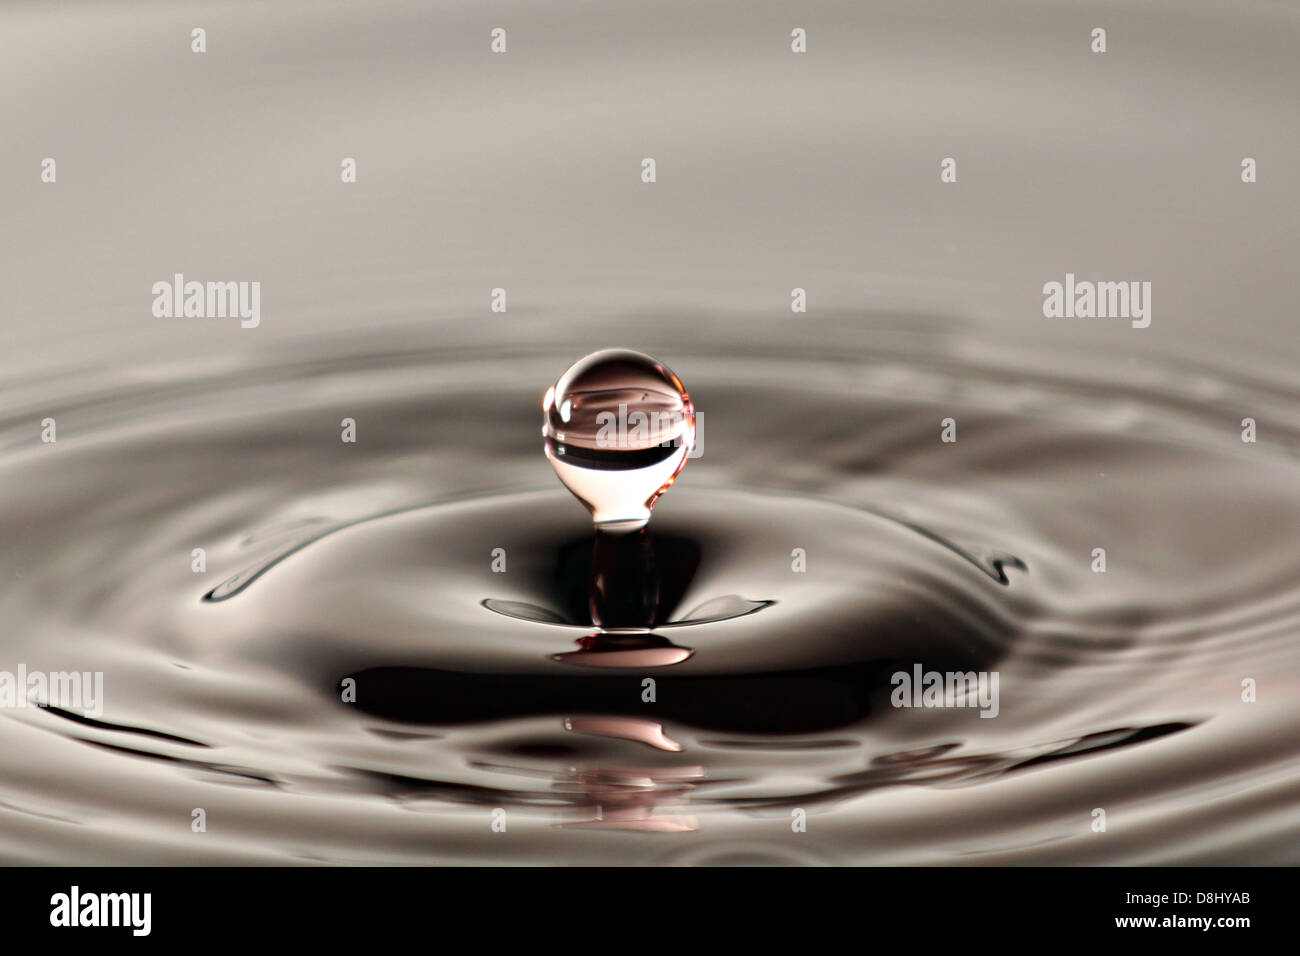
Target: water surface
(480,691)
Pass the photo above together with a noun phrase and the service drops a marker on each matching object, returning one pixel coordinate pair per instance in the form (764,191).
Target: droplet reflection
(618,427)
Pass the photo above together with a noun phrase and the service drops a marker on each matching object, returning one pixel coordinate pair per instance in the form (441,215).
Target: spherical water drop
(618,427)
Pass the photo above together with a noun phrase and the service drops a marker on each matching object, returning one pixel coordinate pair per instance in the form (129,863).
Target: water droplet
(618,427)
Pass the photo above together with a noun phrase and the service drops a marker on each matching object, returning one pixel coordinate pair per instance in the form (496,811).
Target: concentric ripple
(394,638)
